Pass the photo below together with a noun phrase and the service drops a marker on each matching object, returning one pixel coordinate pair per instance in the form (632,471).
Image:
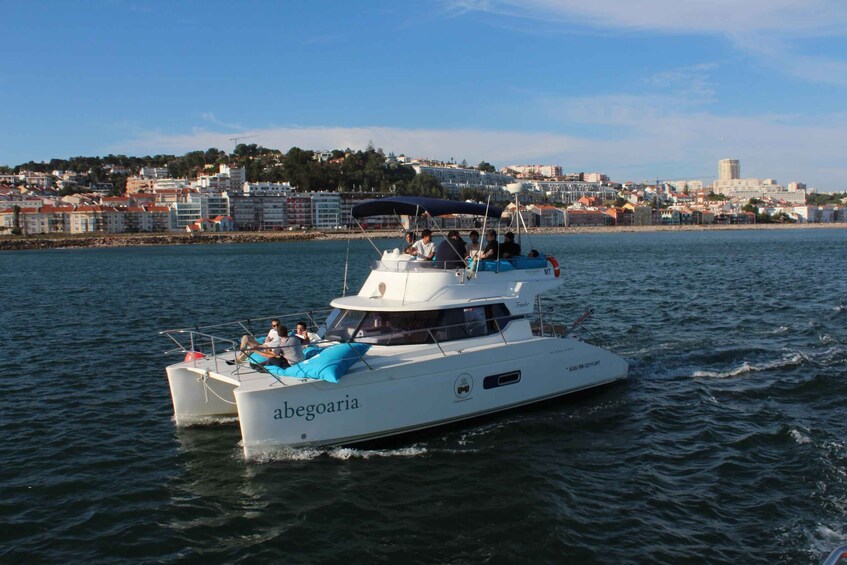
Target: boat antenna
(346,263)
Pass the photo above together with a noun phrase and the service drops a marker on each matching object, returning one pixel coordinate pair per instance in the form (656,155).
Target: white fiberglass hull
(395,398)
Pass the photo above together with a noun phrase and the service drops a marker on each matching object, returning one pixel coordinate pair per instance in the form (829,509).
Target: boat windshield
(404,328)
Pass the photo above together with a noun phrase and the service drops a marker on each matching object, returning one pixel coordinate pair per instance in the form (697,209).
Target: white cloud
(799,17)
(769,30)
(652,142)
(210,117)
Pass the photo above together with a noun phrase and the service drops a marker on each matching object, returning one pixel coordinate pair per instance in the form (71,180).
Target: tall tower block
(729,169)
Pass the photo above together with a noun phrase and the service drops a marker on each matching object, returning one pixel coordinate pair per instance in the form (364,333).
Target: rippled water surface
(727,445)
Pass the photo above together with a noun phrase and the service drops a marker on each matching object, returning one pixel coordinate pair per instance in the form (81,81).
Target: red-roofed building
(620,216)
(223,223)
(548,216)
(203,224)
(586,218)
(590,201)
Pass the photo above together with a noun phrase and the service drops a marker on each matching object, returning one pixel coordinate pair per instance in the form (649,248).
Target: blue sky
(638,90)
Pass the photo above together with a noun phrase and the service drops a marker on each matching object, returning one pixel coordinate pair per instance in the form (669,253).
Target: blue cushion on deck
(324,363)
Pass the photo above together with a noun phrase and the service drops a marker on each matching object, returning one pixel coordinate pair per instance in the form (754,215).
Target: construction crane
(235,139)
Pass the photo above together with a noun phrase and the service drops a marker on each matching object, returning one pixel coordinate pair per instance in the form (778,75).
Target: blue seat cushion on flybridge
(522,262)
(499,266)
(327,363)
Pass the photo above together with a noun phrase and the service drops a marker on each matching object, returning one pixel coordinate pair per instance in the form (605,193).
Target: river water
(726,445)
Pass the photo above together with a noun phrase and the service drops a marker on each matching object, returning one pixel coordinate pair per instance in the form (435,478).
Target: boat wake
(340,453)
(787,362)
(200,421)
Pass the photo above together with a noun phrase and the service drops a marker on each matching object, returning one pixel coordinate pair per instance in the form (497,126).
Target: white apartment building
(251,211)
(29,179)
(237,176)
(817,214)
(326,210)
(226,179)
(595,177)
(745,189)
(453,179)
(153,172)
(683,185)
(568,192)
(169,184)
(211,204)
(186,213)
(267,188)
(547,171)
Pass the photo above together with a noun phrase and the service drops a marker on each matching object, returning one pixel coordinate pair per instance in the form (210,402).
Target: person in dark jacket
(450,253)
(509,248)
(492,246)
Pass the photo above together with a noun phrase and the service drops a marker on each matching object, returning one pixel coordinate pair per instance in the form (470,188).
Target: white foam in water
(342,453)
(345,453)
(206,420)
(824,541)
(288,454)
(799,436)
(744,368)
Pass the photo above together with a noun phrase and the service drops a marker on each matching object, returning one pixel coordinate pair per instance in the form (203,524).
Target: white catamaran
(423,344)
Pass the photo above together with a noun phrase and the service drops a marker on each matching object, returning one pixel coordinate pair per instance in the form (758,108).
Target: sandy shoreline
(12,243)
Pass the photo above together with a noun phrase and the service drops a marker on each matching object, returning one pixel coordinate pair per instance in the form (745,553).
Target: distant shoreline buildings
(227,201)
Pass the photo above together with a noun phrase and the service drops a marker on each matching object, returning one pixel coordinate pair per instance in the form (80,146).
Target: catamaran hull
(422,395)
(198,398)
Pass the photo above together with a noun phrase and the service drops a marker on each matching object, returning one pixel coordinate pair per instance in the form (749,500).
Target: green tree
(824,198)
(425,185)
(473,194)
(485,167)
(752,205)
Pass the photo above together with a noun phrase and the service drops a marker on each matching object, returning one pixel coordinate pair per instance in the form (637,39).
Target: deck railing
(199,339)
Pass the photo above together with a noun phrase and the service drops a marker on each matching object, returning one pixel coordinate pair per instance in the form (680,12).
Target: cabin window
(405,328)
(343,326)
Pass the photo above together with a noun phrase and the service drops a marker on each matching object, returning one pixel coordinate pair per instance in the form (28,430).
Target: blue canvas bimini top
(418,206)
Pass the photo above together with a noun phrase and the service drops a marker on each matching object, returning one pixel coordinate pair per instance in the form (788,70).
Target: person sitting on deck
(268,348)
(451,252)
(409,242)
(473,248)
(289,352)
(303,334)
(492,248)
(509,248)
(532,253)
(423,248)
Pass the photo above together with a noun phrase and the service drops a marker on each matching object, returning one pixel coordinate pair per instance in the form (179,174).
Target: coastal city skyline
(664,91)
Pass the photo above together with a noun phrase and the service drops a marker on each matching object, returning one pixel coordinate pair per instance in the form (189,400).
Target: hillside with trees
(364,171)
